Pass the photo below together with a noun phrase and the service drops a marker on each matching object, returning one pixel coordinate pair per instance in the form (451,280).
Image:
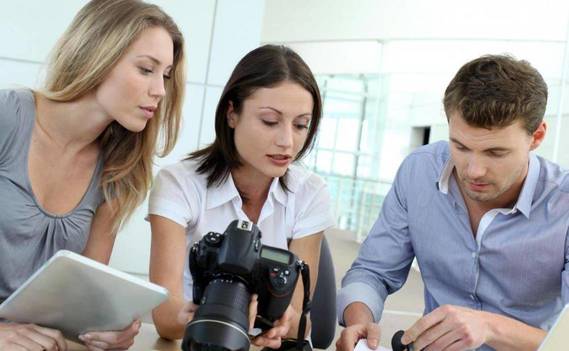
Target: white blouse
(181,195)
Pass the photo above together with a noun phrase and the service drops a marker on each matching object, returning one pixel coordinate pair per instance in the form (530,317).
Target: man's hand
(30,337)
(350,336)
(111,340)
(360,325)
(449,328)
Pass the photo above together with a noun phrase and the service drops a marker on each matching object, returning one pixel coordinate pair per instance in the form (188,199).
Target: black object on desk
(397,345)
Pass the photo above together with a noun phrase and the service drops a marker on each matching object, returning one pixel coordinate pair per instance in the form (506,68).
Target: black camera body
(226,270)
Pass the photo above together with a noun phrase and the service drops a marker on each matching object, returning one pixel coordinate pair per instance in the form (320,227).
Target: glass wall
(372,121)
(346,152)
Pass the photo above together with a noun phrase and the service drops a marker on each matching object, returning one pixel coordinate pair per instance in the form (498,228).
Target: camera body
(237,258)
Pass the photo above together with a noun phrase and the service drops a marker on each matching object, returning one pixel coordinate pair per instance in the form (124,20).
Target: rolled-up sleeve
(384,259)
(171,196)
(315,214)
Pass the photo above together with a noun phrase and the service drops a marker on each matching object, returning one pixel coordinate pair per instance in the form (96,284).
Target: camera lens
(221,321)
(204,347)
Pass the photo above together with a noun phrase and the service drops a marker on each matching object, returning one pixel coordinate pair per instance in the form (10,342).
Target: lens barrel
(221,321)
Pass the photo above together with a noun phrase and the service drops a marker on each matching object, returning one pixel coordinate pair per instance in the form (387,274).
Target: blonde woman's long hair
(89,49)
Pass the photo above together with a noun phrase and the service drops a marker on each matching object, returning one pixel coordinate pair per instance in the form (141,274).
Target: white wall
(217,32)
(322,20)
(417,47)
(340,36)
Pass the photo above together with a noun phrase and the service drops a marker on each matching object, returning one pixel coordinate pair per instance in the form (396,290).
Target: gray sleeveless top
(29,235)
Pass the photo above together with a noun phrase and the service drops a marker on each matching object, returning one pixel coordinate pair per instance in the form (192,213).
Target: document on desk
(362,346)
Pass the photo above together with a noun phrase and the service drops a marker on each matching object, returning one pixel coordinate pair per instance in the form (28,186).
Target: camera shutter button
(281,281)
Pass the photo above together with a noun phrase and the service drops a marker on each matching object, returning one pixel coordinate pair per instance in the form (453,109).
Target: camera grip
(276,290)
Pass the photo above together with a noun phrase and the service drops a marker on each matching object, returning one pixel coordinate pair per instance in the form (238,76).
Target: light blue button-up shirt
(517,265)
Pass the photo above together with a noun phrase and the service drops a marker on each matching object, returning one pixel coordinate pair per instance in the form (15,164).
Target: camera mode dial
(213,239)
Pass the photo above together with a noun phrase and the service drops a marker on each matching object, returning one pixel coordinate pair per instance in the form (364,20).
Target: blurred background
(382,67)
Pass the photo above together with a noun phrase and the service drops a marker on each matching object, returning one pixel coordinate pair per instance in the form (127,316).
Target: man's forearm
(357,313)
(509,334)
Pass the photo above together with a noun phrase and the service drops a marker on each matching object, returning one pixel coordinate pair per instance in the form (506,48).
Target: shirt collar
(278,192)
(526,195)
(221,193)
(444,179)
(227,191)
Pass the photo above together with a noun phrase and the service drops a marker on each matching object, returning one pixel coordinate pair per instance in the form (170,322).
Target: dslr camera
(226,270)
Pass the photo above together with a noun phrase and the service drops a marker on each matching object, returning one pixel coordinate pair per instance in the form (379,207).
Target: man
(486,219)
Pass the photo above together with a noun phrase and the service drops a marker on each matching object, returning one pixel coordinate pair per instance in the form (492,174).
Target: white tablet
(558,338)
(75,294)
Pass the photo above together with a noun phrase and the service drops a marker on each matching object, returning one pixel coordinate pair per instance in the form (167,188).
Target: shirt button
(474,255)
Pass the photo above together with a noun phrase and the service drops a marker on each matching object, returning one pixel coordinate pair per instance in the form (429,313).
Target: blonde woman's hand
(111,340)
(27,337)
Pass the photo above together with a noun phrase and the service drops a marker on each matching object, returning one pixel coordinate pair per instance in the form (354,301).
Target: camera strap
(306,305)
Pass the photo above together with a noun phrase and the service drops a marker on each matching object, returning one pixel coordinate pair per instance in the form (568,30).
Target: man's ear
(231,115)
(538,136)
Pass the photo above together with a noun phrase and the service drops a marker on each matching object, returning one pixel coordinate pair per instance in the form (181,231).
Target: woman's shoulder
(312,212)
(184,172)
(16,117)
(13,104)
(16,99)
(16,95)
(302,180)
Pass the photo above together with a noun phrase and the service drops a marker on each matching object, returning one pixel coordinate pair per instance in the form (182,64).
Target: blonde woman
(76,156)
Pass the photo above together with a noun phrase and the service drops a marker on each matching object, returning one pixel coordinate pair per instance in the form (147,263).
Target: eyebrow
(154,59)
(492,149)
(308,114)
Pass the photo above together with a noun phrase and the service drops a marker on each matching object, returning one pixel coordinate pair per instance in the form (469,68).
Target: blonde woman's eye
(145,71)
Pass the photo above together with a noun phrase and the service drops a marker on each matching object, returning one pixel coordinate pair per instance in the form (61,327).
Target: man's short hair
(496,91)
